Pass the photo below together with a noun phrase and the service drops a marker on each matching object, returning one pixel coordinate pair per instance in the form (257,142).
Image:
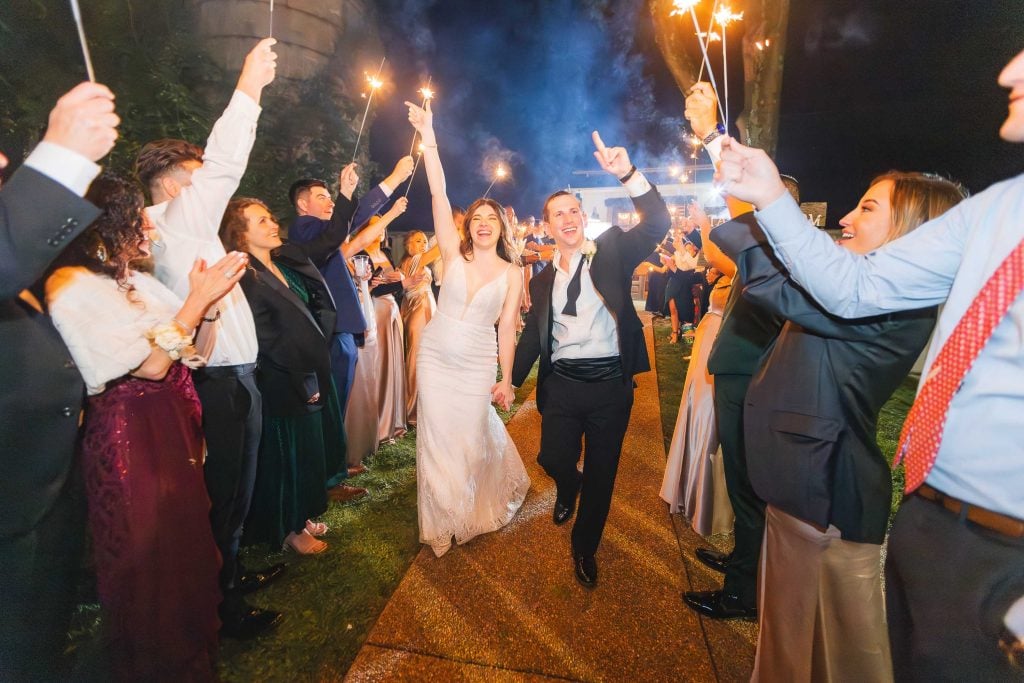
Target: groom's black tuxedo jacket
(619,252)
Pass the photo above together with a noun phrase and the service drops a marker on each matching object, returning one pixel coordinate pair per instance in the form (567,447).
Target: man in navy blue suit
(315,211)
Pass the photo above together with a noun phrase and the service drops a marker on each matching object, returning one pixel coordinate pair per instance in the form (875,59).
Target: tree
(763,50)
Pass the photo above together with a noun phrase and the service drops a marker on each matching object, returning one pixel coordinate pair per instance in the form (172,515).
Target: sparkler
(375,84)
(81,39)
(682,6)
(709,37)
(428,94)
(723,17)
(419,155)
(499,174)
(270,33)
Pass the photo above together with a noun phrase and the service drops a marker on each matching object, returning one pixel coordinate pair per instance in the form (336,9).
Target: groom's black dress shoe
(254,580)
(718,605)
(249,623)
(585,567)
(563,511)
(713,558)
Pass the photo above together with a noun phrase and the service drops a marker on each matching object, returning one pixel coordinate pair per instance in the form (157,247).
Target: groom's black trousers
(594,415)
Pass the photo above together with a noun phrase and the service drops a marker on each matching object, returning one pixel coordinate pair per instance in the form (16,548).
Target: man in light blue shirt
(955,568)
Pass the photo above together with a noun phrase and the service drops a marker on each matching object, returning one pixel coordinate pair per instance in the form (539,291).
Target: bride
(470,478)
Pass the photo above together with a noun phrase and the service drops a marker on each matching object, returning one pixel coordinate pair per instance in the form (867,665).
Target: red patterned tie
(922,432)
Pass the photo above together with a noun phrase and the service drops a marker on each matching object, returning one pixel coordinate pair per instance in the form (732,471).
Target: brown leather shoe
(344,493)
(358,469)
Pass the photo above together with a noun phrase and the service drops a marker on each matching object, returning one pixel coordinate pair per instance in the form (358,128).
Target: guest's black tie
(573,291)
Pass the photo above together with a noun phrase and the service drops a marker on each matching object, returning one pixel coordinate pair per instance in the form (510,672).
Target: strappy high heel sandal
(674,339)
(316,528)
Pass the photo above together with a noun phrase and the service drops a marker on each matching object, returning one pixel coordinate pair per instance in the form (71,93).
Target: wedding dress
(470,478)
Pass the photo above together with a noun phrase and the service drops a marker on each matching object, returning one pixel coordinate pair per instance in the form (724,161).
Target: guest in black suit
(585,330)
(302,423)
(42,512)
(810,422)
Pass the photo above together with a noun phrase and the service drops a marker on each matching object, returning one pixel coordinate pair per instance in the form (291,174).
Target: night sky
(868,86)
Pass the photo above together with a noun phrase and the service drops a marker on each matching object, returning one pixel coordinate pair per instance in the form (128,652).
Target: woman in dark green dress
(303,444)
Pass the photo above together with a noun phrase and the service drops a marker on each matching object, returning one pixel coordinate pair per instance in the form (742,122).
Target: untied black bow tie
(572,293)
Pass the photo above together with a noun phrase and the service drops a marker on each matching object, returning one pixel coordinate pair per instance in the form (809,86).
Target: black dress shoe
(713,558)
(249,624)
(718,605)
(585,567)
(253,581)
(563,511)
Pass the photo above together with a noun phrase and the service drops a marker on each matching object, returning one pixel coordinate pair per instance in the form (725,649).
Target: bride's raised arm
(444,227)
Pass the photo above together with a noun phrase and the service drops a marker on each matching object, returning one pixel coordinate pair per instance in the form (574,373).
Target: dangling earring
(98,250)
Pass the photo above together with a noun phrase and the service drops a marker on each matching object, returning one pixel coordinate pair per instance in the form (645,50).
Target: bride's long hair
(505,249)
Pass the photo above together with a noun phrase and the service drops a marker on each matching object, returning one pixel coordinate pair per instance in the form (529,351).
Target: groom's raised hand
(614,160)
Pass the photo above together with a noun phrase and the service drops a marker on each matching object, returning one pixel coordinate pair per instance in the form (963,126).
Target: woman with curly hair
(141,441)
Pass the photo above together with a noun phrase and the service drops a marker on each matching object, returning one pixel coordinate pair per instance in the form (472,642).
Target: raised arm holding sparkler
(422,119)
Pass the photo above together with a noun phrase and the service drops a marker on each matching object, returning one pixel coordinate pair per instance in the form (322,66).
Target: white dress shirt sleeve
(70,169)
(637,185)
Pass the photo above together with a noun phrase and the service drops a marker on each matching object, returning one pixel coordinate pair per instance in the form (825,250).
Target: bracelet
(213,319)
(188,330)
(718,131)
(625,179)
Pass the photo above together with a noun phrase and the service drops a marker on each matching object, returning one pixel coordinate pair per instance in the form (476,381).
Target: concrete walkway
(506,606)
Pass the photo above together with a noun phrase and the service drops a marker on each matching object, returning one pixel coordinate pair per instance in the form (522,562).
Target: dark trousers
(343,365)
(949,583)
(594,415)
(38,572)
(741,573)
(232,422)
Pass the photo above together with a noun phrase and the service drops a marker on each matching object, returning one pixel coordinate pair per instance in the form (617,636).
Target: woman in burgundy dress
(141,443)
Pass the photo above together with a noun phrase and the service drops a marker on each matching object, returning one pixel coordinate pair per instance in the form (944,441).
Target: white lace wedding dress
(470,478)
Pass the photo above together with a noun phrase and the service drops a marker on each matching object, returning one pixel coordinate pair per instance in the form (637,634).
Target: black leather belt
(228,370)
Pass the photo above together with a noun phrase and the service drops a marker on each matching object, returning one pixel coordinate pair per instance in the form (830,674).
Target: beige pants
(822,614)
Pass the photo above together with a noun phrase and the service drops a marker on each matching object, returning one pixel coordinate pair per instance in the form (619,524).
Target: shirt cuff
(637,185)
(69,168)
(1014,618)
(714,149)
(384,187)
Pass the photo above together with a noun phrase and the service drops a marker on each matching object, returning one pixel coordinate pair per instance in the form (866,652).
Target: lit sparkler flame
(682,6)
(725,16)
(374,82)
(500,172)
(711,36)
(427,93)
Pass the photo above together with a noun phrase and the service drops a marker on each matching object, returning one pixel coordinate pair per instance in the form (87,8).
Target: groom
(590,341)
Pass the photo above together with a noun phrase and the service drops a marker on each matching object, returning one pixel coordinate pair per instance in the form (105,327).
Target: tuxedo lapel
(283,291)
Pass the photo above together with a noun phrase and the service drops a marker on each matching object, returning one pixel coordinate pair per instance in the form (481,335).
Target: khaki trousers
(822,614)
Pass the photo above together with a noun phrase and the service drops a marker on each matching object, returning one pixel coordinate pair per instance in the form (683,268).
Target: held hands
(348,179)
(84,121)
(422,119)
(207,285)
(702,109)
(615,160)
(502,394)
(747,173)
(259,69)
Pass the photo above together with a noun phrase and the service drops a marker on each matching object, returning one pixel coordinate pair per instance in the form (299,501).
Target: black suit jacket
(41,390)
(748,330)
(619,252)
(294,358)
(811,411)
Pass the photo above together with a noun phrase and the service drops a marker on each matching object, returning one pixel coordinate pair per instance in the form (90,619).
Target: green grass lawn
(672,372)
